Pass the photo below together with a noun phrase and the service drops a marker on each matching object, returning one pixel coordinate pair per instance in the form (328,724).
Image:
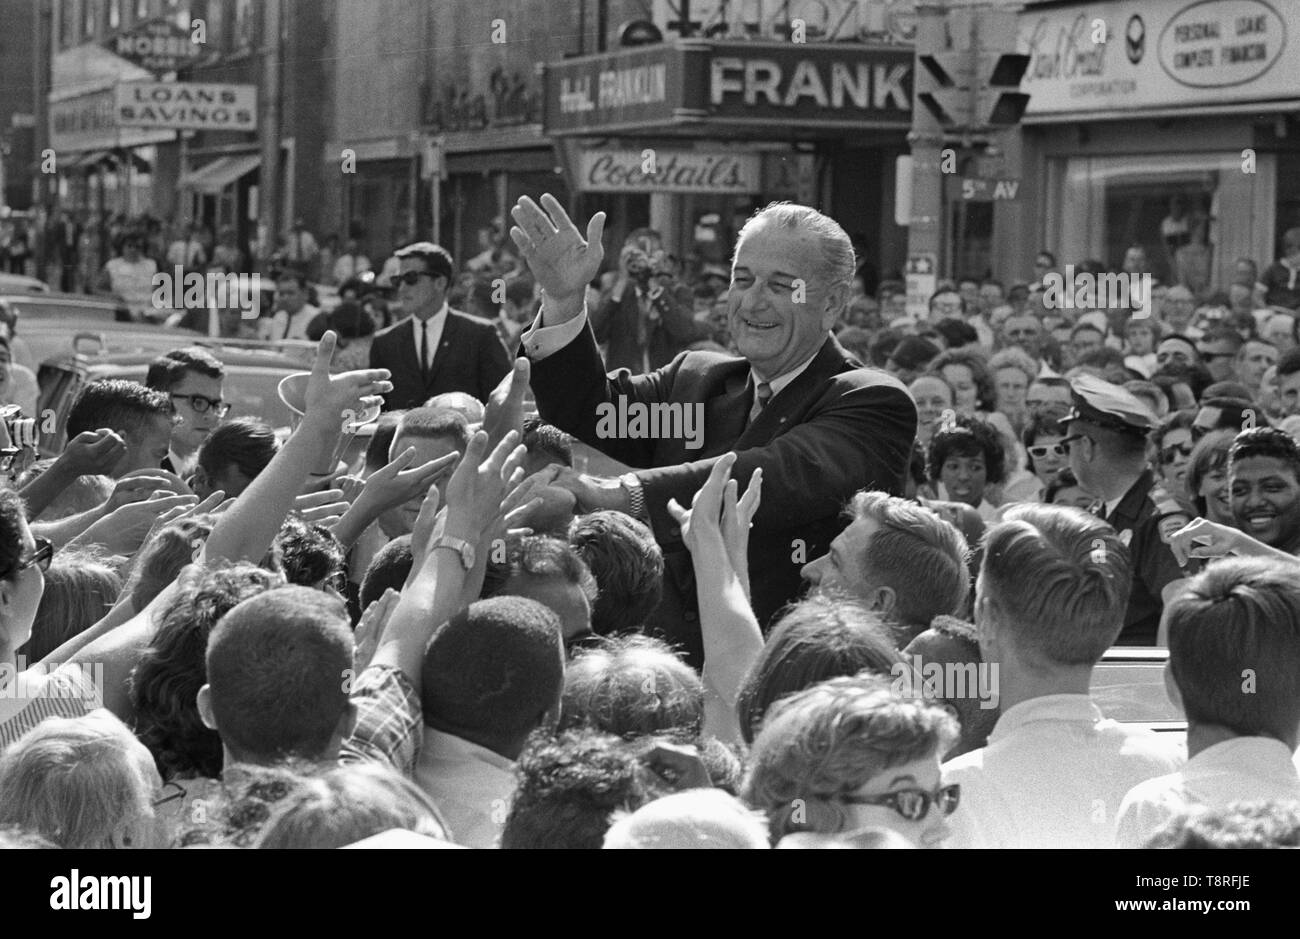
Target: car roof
(230,357)
(21,283)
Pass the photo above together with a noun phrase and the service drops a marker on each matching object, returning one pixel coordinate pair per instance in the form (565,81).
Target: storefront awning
(86,160)
(213,177)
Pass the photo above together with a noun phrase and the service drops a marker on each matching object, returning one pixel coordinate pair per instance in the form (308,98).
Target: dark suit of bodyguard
(797,405)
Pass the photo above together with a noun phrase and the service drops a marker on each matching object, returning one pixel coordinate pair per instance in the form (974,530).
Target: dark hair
(246,443)
(538,556)
(883,346)
(1208,456)
(165,682)
(310,554)
(632,686)
(382,440)
(1224,334)
(437,259)
(1272,824)
(1269,442)
(390,567)
(350,321)
(974,361)
(943,289)
(290,274)
(1064,480)
(817,638)
(1046,254)
(168,371)
(1178,420)
(276,664)
(914,353)
(1241,616)
(546,440)
(569,788)
(13,516)
(1102,358)
(435,423)
(628,564)
(1289,363)
(956,333)
(967,437)
(1042,425)
(494,673)
(116,404)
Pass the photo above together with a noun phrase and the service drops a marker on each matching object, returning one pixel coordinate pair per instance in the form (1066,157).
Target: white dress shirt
(297,326)
(1243,769)
(471,785)
(436,324)
(1052,776)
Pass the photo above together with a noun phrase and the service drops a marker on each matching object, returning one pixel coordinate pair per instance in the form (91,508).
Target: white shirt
(436,324)
(1238,770)
(274,331)
(133,282)
(1052,776)
(471,785)
(349,266)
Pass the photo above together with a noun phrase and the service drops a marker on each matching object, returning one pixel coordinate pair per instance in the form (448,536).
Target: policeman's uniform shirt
(1144,518)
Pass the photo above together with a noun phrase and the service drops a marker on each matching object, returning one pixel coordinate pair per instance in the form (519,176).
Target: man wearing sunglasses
(436,349)
(1106,437)
(194,382)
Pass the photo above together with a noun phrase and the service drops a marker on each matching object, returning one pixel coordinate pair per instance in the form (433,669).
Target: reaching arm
(89,453)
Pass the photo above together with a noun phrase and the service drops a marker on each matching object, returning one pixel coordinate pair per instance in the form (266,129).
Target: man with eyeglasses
(1218,349)
(1106,436)
(193,380)
(436,349)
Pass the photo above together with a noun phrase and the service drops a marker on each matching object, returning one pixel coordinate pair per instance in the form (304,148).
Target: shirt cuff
(540,341)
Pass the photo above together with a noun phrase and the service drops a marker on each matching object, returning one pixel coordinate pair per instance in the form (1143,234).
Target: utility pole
(925,231)
(268,189)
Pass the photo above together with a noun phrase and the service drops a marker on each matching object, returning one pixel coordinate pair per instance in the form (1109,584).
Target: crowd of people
(862,610)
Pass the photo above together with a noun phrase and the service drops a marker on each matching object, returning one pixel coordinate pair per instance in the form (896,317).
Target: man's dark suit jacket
(618,326)
(469,358)
(834,430)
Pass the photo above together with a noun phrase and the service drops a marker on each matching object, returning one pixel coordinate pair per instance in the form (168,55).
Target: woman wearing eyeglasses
(1173,444)
(849,754)
(27,695)
(1047,455)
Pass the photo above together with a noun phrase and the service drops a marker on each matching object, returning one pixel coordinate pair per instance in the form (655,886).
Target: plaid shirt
(389,720)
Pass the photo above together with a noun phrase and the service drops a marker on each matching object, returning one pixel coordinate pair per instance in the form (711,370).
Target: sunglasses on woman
(40,557)
(913,804)
(1055,449)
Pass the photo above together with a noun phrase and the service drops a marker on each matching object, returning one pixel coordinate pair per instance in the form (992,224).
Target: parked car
(1128,685)
(20,283)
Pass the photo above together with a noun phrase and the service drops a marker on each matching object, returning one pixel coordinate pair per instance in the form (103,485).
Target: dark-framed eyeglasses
(1055,449)
(1170,453)
(170,792)
(201,404)
(41,557)
(411,278)
(913,804)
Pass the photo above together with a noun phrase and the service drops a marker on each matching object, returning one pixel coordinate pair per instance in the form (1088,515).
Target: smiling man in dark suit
(436,349)
(796,405)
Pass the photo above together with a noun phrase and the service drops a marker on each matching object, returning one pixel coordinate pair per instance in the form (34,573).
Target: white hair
(838,262)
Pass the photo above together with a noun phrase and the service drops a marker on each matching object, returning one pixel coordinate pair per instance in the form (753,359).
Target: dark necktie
(762,395)
(424,349)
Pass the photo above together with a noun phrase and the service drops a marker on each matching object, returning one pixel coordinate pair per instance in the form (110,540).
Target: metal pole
(268,190)
(924,234)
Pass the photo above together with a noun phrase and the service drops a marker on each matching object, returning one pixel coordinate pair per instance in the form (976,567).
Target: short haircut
(435,423)
(1239,617)
(286,273)
(1271,824)
(168,371)
(1102,358)
(539,556)
(437,259)
(389,568)
(350,803)
(126,407)
(541,438)
(382,440)
(914,353)
(967,437)
(462,402)
(1064,480)
(13,518)
(1087,328)
(81,586)
(692,819)
(1224,334)
(494,672)
(73,781)
(921,557)
(838,262)
(829,740)
(1268,442)
(1058,580)
(1288,363)
(817,638)
(628,564)
(166,680)
(1208,456)
(956,333)
(246,443)
(310,554)
(276,668)
(570,786)
(632,686)
(952,290)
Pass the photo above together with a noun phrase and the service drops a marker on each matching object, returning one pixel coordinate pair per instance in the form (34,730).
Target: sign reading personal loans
(187,106)
(669,171)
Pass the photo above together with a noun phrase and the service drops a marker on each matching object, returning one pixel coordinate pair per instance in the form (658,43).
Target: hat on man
(1108,406)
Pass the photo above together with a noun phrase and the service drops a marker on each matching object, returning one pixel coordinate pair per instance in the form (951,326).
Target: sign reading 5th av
(989,190)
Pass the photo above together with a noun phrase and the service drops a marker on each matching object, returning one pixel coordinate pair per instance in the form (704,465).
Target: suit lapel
(440,356)
(786,404)
(404,336)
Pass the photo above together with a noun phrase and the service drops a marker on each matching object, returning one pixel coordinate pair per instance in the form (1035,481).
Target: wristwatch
(635,496)
(463,548)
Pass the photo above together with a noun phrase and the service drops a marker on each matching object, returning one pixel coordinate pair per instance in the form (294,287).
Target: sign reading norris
(187,106)
(158,45)
(668,171)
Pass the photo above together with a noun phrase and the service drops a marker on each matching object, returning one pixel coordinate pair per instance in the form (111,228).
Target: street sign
(989,190)
(922,279)
(157,45)
(186,106)
(921,264)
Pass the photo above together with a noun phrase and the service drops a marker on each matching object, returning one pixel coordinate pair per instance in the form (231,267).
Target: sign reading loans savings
(186,106)
(672,171)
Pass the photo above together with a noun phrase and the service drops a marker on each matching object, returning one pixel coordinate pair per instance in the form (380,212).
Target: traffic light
(974,85)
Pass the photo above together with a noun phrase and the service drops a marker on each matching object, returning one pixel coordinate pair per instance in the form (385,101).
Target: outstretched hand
(561,260)
(332,397)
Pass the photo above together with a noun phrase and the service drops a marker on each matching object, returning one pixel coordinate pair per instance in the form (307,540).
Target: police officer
(1107,445)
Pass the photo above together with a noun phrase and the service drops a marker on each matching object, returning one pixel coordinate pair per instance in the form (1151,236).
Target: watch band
(463,548)
(635,496)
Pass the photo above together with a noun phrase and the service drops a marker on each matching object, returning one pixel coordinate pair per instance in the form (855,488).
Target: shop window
(1193,214)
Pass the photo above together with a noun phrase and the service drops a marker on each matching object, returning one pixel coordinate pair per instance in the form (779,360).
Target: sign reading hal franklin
(668,171)
(187,106)
(619,90)
(1158,54)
